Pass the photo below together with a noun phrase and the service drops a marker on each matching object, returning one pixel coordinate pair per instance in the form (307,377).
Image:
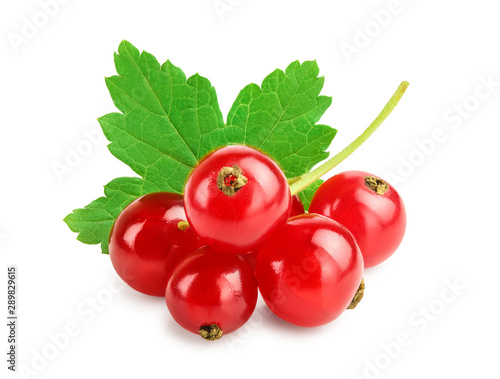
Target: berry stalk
(304,181)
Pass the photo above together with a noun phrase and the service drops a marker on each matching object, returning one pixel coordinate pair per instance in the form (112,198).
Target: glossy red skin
(296,209)
(212,288)
(310,271)
(245,221)
(250,258)
(145,244)
(377,222)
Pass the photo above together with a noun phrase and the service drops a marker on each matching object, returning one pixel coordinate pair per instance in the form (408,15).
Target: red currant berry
(251,258)
(296,207)
(145,243)
(212,293)
(369,207)
(309,273)
(236,198)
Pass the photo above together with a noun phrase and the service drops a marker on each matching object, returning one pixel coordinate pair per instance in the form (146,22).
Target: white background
(52,91)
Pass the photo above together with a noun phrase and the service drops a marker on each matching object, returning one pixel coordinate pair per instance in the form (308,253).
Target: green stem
(306,180)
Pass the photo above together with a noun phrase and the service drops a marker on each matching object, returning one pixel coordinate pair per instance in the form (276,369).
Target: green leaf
(168,122)
(280,118)
(94,222)
(307,194)
(166,125)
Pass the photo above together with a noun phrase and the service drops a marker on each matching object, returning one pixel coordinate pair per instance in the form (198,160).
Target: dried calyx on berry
(230,180)
(210,332)
(358,296)
(376,185)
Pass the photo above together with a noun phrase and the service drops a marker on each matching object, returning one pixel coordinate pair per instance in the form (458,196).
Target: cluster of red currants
(238,229)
